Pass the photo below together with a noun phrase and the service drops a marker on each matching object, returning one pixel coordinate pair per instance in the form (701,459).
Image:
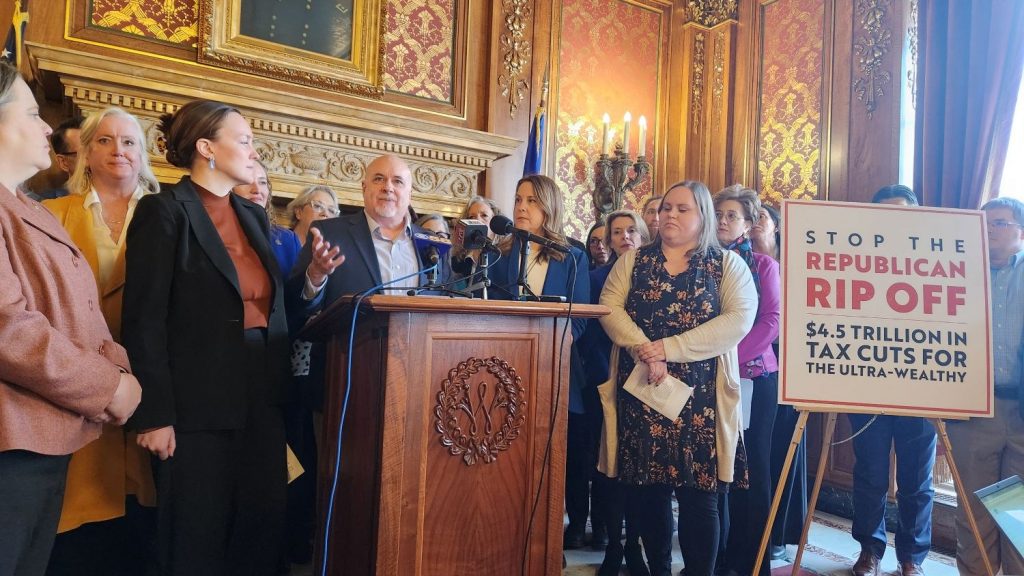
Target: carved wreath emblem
(474,421)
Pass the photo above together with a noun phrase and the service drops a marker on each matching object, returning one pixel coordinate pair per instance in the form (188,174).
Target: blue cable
(357,301)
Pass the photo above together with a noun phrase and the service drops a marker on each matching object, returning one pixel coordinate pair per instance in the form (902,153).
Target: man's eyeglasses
(442,234)
(1003,224)
(324,209)
(730,217)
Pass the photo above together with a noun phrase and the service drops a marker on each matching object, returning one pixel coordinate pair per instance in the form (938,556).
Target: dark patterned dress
(652,448)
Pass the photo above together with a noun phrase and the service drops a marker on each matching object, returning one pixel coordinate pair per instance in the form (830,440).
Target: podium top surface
(323,325)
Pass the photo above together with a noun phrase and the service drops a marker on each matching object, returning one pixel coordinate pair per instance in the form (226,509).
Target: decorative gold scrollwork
(515,53)
(475,422)
(871,49)
(710,13)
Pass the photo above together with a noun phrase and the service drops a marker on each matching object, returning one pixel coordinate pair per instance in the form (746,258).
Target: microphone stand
(524,255)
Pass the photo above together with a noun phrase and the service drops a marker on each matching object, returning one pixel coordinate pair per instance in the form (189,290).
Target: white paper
(746,399)
(668,397)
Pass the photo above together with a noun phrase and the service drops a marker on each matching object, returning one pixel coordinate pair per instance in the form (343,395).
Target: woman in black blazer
(204,325)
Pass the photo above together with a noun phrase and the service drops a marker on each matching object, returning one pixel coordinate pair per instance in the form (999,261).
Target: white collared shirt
(395,258)
(107,250)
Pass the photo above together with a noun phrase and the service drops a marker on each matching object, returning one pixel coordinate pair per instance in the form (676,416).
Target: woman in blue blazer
(538,210)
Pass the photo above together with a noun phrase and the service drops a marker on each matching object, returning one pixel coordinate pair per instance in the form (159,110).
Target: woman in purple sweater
(737,209)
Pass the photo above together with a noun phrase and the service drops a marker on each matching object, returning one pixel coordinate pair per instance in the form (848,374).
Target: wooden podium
(450,465)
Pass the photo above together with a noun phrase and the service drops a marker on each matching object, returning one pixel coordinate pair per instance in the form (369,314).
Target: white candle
(604,137)
(642,144)
(625,133)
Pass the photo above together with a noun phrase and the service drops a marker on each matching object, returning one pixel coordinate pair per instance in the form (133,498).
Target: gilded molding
(711,13)
(298,155)
(515,53)
(212,50)
(718,80)
(871,48)
(697,82)
(477,420)
(912,68)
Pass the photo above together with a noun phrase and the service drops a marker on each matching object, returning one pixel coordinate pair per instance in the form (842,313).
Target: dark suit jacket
(182,315)
(358,273)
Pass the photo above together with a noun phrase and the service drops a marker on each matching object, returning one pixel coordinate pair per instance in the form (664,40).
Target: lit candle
(625,133)
(642,144)
(604,137)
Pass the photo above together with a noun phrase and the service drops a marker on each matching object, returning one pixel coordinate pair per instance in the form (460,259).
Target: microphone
(503,225)
(464,265)
(431,248)
(470,234)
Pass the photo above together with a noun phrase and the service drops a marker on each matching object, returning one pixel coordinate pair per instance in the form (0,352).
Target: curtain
(971,54)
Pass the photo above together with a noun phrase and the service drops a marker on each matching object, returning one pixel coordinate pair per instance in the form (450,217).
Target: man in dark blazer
(353,253)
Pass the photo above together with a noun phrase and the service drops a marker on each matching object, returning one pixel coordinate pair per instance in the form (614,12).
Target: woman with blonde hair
(283,241)
(318,202)
(111,176)
(679,306)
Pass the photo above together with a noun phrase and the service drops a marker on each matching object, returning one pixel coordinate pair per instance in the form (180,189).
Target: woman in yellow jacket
(111,175)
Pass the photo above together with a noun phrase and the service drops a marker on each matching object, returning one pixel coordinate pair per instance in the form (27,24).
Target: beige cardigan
(717,337)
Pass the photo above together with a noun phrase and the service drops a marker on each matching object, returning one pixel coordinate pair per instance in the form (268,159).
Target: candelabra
(612,179)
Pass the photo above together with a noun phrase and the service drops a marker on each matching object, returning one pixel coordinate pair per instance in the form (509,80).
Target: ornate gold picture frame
(334,45)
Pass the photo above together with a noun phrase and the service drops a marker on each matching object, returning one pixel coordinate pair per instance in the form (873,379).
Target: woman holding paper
(737,210)
(679,307)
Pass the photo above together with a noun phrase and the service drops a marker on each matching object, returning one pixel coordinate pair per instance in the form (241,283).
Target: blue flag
(12,46)
(535,147)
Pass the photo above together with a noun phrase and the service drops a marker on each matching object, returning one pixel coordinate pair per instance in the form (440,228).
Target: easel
(830,426)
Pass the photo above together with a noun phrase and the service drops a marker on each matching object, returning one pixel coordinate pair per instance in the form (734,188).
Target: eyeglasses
(1003,224)
(730,217)
(319,207)
(596,242)
(442,234)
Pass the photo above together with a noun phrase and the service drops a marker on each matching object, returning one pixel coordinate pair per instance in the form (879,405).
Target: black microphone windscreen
(463,265)
(502,225)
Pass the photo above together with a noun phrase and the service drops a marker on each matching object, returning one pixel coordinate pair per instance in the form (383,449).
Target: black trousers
(221,497)
(748,509)
(698,530)
(580,466)
(31,495)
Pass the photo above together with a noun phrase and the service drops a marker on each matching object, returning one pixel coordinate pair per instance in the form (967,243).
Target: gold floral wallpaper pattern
(789,127)
(419,39)
(608,62)
(172,21)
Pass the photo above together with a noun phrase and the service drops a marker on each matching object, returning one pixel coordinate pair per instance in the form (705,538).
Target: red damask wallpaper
(418,48)
(608,62)
(789,128)
(171,21)
(418,40)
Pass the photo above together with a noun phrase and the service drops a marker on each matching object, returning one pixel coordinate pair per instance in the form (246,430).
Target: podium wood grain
(405,505)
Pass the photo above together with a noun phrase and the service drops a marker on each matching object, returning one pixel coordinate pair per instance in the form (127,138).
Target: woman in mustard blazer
(111,175)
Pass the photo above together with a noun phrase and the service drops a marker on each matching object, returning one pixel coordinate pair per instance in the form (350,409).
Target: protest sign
(885,310)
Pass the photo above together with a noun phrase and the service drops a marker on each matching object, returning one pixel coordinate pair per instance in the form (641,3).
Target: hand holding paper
(667,397)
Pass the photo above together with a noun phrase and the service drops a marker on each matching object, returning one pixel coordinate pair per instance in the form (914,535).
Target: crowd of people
(150,377)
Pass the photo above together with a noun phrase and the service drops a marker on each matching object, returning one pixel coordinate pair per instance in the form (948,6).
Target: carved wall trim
(871,47)
(718,80)
(516,50)
(474,421)
(912,68)
(697,82)
(710,13)
(303,142)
